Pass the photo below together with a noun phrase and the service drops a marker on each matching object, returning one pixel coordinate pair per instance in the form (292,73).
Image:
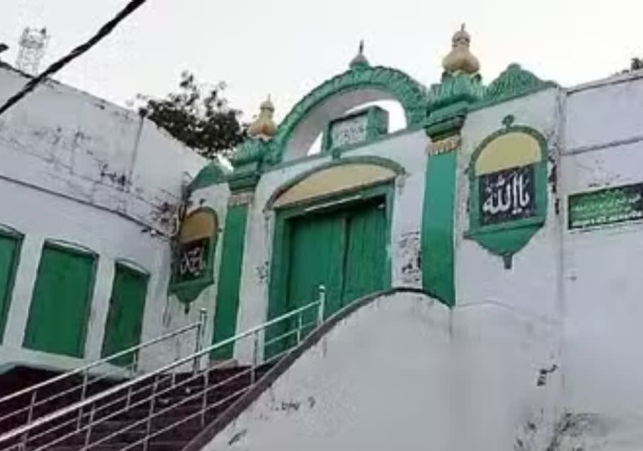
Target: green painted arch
(211,174)
(411,94)
(376,161)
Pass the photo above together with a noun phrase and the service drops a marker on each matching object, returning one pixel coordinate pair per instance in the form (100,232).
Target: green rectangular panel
(227,307)
(365,251)
(438,222)
(60,303)
(125,317)
(9,249)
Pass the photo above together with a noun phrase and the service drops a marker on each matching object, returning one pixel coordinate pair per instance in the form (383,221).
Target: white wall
(404,372)
(78,169)
(531,284)
(602,276)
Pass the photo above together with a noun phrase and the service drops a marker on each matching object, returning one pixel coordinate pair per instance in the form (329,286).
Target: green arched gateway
(382,82)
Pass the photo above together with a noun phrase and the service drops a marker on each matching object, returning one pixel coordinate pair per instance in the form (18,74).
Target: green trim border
(186,292)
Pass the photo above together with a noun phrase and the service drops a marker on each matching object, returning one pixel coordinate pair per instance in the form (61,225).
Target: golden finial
(264,126)
(460,59)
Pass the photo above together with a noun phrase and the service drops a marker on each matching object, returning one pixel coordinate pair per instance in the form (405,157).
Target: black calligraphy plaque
(507,195)
(192,260)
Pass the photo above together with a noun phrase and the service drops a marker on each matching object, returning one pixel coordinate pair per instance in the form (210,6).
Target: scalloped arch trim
(411,94)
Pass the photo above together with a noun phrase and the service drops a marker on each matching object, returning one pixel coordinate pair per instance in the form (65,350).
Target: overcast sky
(287,47)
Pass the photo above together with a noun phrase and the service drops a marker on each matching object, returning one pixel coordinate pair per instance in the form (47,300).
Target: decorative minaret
(448,104)
(264,126)
(461,83)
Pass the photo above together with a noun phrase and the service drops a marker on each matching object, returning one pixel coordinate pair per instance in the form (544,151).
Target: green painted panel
(9,247)
(60,302)
(365,251)
(438,274)
(125,316)
(225,317)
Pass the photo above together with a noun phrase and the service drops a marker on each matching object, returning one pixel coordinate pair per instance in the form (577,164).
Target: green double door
(345,250)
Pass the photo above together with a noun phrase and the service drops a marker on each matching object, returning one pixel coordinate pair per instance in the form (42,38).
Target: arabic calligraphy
(606,206)
(193,260)
(507,195)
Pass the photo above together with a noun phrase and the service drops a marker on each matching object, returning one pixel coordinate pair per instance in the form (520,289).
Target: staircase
(161,410)
(160,414)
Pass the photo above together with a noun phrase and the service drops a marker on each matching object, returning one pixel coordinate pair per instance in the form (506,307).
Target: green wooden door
(365,252)
(9,247)
(60,303)
(344,249)
(315,249)
(125,316)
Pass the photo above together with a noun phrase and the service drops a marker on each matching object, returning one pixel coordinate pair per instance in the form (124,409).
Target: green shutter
(61,301)
(9,250)
(126,310)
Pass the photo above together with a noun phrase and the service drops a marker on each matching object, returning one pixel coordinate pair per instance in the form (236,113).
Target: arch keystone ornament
(508,189)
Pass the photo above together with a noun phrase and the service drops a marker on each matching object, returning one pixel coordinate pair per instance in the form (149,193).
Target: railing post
(25,437)
(133,365)
(204,399)
(322,304)
(88,434)
(299,325)
(255,357)
(83,395)
(200,332)
(150,415)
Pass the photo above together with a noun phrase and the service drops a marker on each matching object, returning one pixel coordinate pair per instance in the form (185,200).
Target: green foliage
(197,115)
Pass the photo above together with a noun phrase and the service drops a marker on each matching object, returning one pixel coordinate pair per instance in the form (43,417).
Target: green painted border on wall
(11,233)
(280,250)
(227,304)
(438,224)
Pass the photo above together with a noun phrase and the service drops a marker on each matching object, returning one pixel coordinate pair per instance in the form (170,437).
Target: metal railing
(148,410)
(23,407)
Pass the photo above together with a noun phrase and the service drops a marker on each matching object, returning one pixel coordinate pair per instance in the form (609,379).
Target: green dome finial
(360,60)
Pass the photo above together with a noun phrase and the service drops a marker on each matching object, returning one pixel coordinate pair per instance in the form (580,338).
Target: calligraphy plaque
(192,260)
(506,195)
(193,255)
(605,206)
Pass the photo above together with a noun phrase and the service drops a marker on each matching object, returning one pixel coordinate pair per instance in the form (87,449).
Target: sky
(285,47)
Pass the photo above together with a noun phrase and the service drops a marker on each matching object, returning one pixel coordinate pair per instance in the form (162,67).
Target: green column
(438,222)
(227,304)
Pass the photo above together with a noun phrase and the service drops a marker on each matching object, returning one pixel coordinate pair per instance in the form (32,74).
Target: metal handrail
(90,403)
(85,369)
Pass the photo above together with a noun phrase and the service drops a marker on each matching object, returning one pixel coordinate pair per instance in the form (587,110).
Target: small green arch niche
(193,256)
(508,189)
